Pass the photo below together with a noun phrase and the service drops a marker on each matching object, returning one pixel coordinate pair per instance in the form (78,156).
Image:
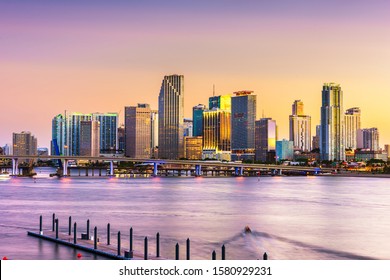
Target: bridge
(196,165)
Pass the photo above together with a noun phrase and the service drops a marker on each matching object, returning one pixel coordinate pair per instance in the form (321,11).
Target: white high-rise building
(368,139)
(332,139)
(352,125)
(300,127)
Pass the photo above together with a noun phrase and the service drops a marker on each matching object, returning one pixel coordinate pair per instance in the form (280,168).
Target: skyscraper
(171,117)
(108,131)
(265,139)
(332,140)
(284,150)
(24,144)
(243,125)
(352,125)
(90,138)
(72,133)
(154,133)
(216,134)
(197,118)
(300,127)
(57,134)
(188,127)
(138,131)
(368,139)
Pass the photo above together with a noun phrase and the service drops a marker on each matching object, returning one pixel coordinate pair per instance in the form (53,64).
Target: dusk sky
(99,56)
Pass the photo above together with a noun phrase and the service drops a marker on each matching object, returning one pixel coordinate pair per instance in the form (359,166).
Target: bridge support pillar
(111,168)
(15,167)
(280,172)
(198,170)
(241,171)
(155,169)
(65,168)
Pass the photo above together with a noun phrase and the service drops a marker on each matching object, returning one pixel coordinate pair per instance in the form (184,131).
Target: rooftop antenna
(263,114)
(213,90)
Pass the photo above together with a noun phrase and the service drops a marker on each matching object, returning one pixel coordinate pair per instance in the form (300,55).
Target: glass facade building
(197,119)
(265,139)
(108,131)
(284,150)
(243,125)
(171,117)
(332,139)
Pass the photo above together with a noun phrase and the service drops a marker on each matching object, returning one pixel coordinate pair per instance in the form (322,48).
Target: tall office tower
(332,140)
(108,131)
(368,139)
(171,116)
(24,144)
(89,138)
(188,127)
(121,138)
(57,135)
(72,133)
(243,125)
(197,118)
(300,127)
(216,134)
(265,139)
(154,134)
(138,131)
(7,150)
(223,102)
(352,125)
(316,138)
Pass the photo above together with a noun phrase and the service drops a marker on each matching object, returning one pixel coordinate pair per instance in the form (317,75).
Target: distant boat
(247,229)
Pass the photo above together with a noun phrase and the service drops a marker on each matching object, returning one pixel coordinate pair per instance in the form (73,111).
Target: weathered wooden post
(188,249)
(88,229)
(56,221)
(95,238)
(53,221)
(146,248)
(119,243)
(108,234)
(158,244)
(40,225)
(223,252)
(265,256)
(177,251)
(131,239)
(214,255)
(70,225)
(75,233)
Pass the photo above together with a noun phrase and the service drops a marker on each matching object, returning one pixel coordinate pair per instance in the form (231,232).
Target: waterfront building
(72,133)
(387,150)
(216,134)
(366,155)
(58,134)
(138,131)
(188,127)
(284,150)
(154,133)
(243,116)
(316,138)
(300,127)
(193,147)
(108,131)
(368,139)
(171,116)
(89,138)
(332,140)
(121,139)
(7,150)
(24,144)
(197,118)
(265,140)
(352,125)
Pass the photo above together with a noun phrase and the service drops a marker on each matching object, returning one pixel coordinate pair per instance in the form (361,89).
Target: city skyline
(105,56)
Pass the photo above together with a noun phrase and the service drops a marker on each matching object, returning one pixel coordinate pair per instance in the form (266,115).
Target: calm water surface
(290,217)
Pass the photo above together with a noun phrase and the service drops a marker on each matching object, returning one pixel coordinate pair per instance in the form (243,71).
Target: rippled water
(290,217)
